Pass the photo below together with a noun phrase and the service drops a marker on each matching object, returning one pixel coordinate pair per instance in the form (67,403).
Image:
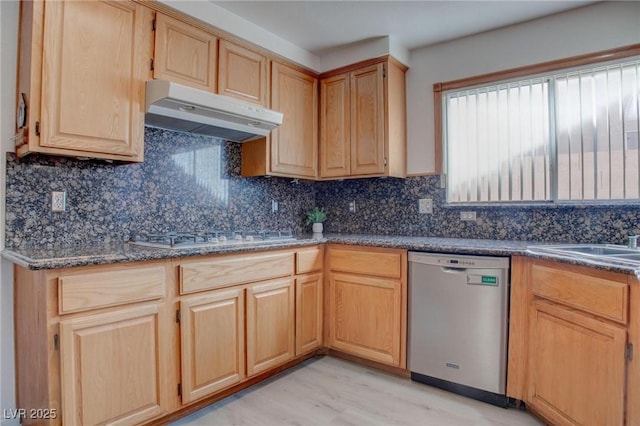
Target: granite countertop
(116,252)
(441,245)
(36,258)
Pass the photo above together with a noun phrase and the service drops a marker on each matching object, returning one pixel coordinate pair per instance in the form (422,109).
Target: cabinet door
(308,313)
(242,73)
(113,367)
(185,54)
(95,63)
(212,336)
(365,316)
(294,144)
(576,367)
(335,129)
(270,324)
(367,121)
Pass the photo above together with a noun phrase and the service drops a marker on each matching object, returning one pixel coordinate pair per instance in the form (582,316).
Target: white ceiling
(318,26)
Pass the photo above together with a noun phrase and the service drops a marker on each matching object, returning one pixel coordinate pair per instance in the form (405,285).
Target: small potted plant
(316,216)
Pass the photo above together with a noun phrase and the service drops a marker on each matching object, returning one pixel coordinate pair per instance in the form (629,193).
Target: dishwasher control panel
(456,262)
(459,261)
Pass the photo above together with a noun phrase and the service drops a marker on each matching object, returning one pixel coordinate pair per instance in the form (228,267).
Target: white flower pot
(317,230)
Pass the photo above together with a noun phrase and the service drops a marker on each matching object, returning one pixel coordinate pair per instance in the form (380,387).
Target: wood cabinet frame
(613,317)
(166,314)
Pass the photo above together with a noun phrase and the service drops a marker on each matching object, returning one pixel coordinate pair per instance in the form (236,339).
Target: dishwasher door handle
(452,270)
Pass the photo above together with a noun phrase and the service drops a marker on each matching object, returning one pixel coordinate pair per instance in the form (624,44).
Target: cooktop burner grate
(209,238)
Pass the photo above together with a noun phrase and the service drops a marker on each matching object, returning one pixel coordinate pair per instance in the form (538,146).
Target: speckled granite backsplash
(390,206)
(192,182)
(186,183)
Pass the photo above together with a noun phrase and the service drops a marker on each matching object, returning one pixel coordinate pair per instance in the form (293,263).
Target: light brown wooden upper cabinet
(363,121)
(292,149)
(185,54)
(294,145)
(243,73)
(335,127)
(82,70)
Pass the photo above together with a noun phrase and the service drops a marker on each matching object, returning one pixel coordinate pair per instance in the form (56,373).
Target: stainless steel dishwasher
(458,307)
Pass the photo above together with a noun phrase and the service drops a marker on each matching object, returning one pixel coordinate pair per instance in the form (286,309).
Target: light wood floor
(330,391)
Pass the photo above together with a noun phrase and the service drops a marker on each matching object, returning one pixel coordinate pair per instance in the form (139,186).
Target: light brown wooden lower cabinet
(309,313)
(130,344)
(367,300)
(365,316)
(573,366)
(212,342)
(270,324)
(93,344)
(576,367)
(112,367)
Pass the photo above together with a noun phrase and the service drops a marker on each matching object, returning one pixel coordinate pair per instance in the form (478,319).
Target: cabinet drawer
(309,260)
(599,296)
(379,263)
(110,287)
(232,270)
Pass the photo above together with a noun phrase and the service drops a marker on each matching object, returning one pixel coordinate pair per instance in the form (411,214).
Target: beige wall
(589,29)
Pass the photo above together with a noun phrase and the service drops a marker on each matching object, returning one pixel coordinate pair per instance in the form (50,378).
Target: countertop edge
(125,253)
(139,254)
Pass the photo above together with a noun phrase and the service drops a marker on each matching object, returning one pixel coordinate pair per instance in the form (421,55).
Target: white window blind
(563,137)
(597,133)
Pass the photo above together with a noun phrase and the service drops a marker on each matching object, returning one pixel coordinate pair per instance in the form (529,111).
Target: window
(562,136)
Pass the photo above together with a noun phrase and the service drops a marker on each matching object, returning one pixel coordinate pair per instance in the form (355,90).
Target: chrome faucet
(633,241)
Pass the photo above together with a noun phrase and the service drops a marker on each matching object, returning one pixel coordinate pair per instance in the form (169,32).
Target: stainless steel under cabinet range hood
(176,107)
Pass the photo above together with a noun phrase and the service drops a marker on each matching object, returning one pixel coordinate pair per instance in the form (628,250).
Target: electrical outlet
(425,205)
(468,215)
(58,201)
(274,206)
(352,206)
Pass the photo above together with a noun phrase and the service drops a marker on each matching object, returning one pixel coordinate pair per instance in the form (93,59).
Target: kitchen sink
(634,256)
(593,249)
(597,252)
